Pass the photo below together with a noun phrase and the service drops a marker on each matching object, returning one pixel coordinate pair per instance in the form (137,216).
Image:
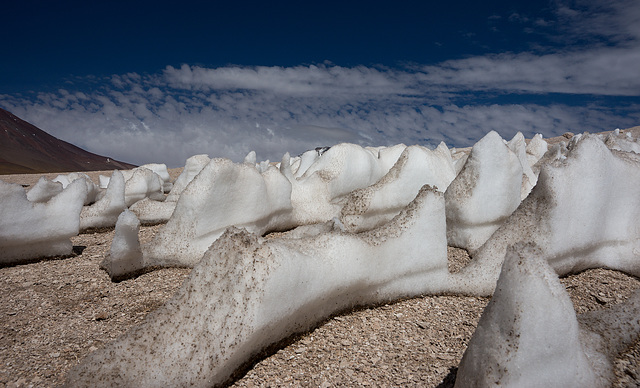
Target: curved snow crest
(222,194)
(248,293)
(92,188)
(33,230)
(582,214)
(192,167)
(143,183)
(374,205)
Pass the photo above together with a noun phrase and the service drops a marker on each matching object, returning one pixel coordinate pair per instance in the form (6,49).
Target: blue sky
(159,82)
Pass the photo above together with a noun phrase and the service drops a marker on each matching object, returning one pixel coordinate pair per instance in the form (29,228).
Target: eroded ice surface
(44,190)
(318,194)
(151,211)
(529,334)
(222,194)
(125,257)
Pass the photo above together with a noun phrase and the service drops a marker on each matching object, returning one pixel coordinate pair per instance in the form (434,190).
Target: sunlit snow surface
(365,225)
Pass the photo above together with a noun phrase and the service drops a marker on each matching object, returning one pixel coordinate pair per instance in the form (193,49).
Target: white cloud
(601,71)
(150,122)
(229,111)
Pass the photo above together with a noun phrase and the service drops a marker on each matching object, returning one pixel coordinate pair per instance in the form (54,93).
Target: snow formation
(247,293)
(319,192)
(485,192)
(142,183)
(529,326)
(221,195)
(44,190)
(104,212)
(125,257)
(582,213)
(374,205)
(151,211)
(31,230)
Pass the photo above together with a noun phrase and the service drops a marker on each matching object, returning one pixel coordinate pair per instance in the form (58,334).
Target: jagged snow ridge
(222,194)
(92,188)
(247,293)
(582,213)
(318,194)
(150,211)
(261,199)
(143,183)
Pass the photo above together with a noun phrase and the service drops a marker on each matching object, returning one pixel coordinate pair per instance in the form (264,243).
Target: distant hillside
(26,149)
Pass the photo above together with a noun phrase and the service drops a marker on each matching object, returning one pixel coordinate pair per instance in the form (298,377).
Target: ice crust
(231,306)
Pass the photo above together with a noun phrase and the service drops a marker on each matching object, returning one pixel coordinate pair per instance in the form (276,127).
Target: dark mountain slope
(26,149)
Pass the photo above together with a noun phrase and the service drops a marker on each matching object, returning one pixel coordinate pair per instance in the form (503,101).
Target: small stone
(101,316)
